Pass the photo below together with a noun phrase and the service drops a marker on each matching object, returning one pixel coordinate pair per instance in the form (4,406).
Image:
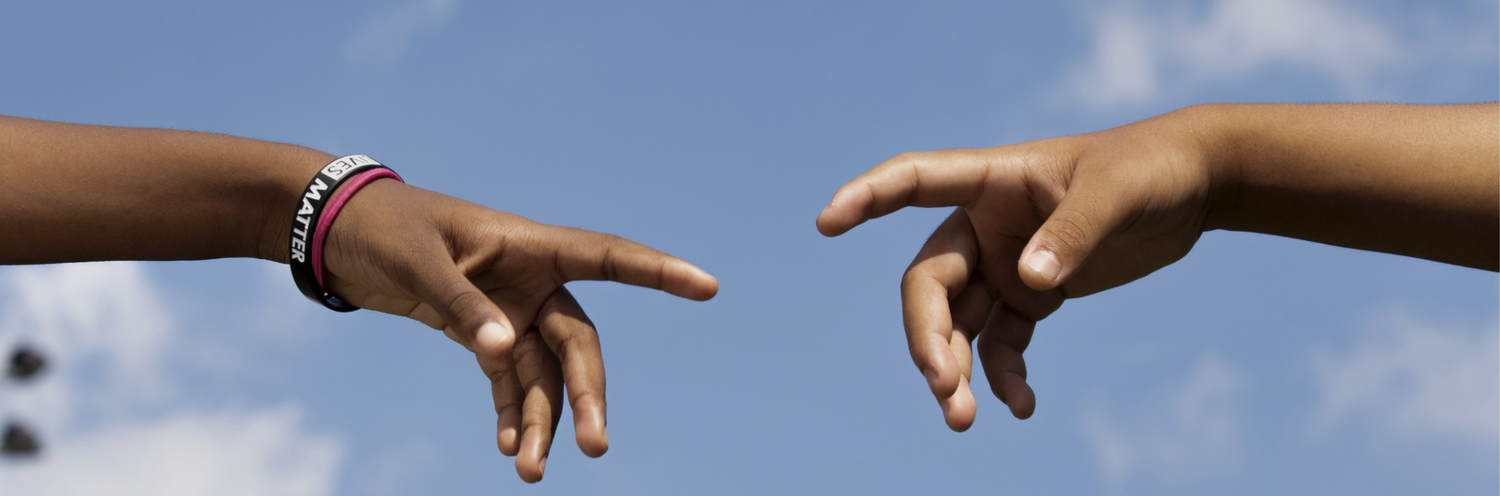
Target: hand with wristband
(356,236)
(1043,221)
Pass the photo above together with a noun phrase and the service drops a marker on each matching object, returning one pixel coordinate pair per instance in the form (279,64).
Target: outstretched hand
(1036,223)
(493,282)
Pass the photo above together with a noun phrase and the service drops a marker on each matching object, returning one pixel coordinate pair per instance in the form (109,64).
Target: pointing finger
(587,255)
(912,179)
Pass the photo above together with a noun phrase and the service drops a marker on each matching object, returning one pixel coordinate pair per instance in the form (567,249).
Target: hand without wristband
(316,209)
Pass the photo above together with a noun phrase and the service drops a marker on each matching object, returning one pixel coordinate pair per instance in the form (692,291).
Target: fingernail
(1044,263)
(698,272)
(932,378)
(491,336)
(541,466)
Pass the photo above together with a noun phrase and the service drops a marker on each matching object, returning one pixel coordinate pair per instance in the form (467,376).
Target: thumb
(1064,242)
(470,315)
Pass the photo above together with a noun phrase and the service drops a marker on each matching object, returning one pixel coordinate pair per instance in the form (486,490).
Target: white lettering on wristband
(314,192)
(334,171)
(299,240)
(338,168)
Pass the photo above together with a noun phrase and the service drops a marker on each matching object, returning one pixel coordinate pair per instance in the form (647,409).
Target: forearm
(1415,180)
(78,193)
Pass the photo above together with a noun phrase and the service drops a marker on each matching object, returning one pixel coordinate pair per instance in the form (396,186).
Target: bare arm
(72,192)
(1415,180)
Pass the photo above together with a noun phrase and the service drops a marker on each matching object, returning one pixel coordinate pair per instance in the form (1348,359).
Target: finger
(1005,337)
(920,179)
(939,272)
(541,383)
(448,331)
(959,408)
(1086,216)
(470,315)
(970,310)
(572,338)
(505,386)
(587,255)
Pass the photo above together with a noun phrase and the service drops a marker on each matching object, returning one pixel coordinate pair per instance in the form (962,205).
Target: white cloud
(106,330)
(1123,67)
(1412,378)
(107,409)
(1176,434)
(1144,51)
(1240,36)
(385,38)
(225,454)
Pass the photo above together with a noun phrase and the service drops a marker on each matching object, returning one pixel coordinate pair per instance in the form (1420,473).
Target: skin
(491,281)
(1039,222)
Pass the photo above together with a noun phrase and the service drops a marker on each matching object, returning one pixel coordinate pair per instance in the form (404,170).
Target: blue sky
(717,132)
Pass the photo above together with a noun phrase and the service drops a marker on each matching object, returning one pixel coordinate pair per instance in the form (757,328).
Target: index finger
(587,255)
(912,179)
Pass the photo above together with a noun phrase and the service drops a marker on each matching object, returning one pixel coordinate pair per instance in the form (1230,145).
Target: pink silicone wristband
(336,203)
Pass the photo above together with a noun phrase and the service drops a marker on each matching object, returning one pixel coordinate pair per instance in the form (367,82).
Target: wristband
(335,204)
(310,225)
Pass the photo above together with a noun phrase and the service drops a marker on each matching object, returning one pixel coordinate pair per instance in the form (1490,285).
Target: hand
(493,282)
(1036,223)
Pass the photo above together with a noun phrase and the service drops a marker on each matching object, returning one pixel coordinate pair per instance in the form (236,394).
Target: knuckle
(920,277)
(569,343)
(938,270)
(608,265)
(914,162)
(906,162)
(502,376)
(660,273)
(904,158)
(913,274)
(587,398)
(529,342)
(609,240)
(531,382)
(465,304)
(1069,231)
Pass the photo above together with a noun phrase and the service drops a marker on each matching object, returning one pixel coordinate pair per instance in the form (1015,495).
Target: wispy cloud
(1412,378)
(231,453)
(386,37)
(107,329)
(1182,431)
(109,410)
(1147,50)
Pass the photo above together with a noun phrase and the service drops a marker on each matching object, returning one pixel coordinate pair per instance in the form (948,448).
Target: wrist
(1213,127)
(286,174)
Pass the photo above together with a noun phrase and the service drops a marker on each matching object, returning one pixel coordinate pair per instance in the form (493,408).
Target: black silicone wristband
(305,223)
